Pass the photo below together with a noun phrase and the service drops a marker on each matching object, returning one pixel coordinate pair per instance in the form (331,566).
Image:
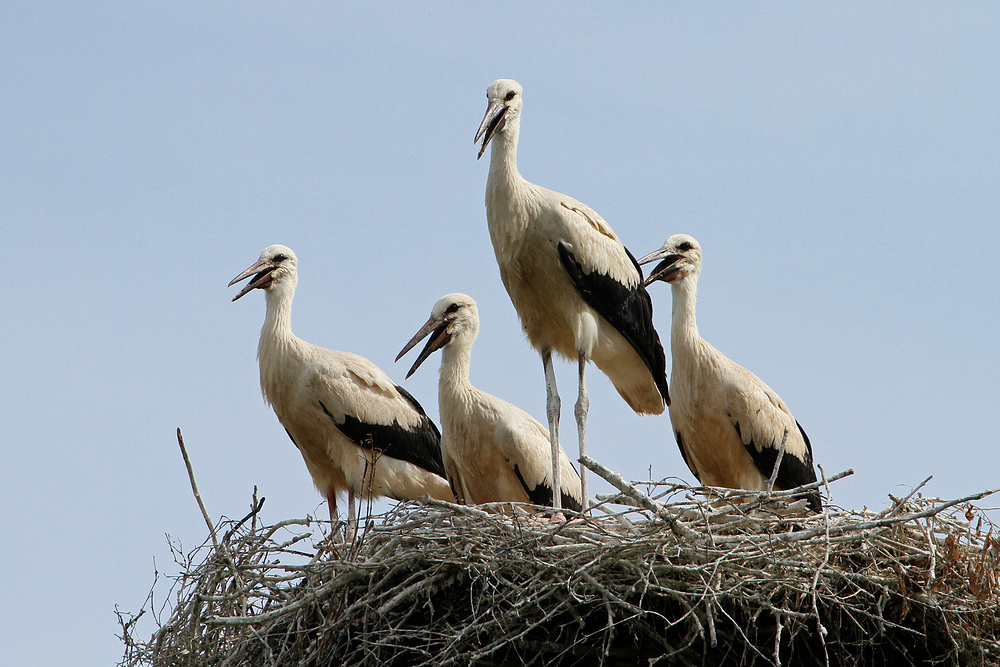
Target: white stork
(493,451)
(577,290)
(356,429)
(729,425)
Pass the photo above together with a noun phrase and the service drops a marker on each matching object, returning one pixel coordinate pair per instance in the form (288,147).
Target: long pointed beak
(665,270)
(659,253)
(262,279)
(440,338)
(493,121)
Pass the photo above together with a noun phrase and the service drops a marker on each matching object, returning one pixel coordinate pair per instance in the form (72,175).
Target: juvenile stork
(577,290)
(729,425)
(355,428)
(492,450)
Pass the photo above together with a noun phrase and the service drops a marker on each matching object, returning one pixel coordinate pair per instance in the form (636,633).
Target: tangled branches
(681,582)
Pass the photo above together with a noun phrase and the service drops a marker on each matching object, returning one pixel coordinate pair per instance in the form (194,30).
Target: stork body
(577,290)
(730,426)
(493,451)
(356,430)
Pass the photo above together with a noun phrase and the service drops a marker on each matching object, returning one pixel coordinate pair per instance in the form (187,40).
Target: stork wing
(375,413)
(526,446)
(625,305)
(761,420)
(680,445)
(595,243)
(455,480)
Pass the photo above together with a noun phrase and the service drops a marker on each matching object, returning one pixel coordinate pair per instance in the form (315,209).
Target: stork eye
(279,258)
(453,308)
(510,95)
(685,246)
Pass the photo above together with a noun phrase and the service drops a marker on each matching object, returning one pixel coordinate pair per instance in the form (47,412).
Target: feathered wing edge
(541,494)
(420,446)
(628,310)
(793,471)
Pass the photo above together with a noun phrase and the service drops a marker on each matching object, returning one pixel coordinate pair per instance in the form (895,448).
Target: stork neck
(277,327)
(503,158)
(684,328)
(455,361)
(276,344)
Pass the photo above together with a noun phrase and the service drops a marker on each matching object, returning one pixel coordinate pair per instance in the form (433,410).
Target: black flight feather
(420,446)
(628,310)
(542,494)
(680,445)
(793,471)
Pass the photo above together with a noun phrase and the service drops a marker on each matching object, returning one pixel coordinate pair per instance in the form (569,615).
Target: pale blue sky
(839,164)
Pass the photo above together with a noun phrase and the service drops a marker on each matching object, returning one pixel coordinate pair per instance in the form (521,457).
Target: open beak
(666,270)
(261,280)
(440,338)
(494,120)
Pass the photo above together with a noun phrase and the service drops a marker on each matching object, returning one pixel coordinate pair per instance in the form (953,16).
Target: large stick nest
(671,579)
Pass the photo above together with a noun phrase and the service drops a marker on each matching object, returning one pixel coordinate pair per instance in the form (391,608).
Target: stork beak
(493,121)
(440,338)
(665,270)
(261,280)
(659,253)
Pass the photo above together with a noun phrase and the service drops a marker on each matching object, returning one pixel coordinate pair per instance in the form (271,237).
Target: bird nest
(662,576)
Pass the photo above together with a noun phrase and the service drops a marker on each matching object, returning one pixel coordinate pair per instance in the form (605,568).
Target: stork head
(454,317)
(680,255)
(504,97)
(276,266)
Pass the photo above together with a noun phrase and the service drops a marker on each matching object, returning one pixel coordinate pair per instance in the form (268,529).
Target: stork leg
(331,501)
(352,520)
(582,408)
(552,406)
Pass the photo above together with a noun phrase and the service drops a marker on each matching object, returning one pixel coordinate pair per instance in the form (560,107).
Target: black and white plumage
(493,451)
(729,425)
(356,429)
(575,287)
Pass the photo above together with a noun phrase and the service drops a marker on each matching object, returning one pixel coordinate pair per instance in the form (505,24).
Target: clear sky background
(840,165)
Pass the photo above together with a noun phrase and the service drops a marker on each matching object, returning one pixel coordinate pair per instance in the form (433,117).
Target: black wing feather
(793,471)
(542,494)
(421,446)
(680,445)
(628,310)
